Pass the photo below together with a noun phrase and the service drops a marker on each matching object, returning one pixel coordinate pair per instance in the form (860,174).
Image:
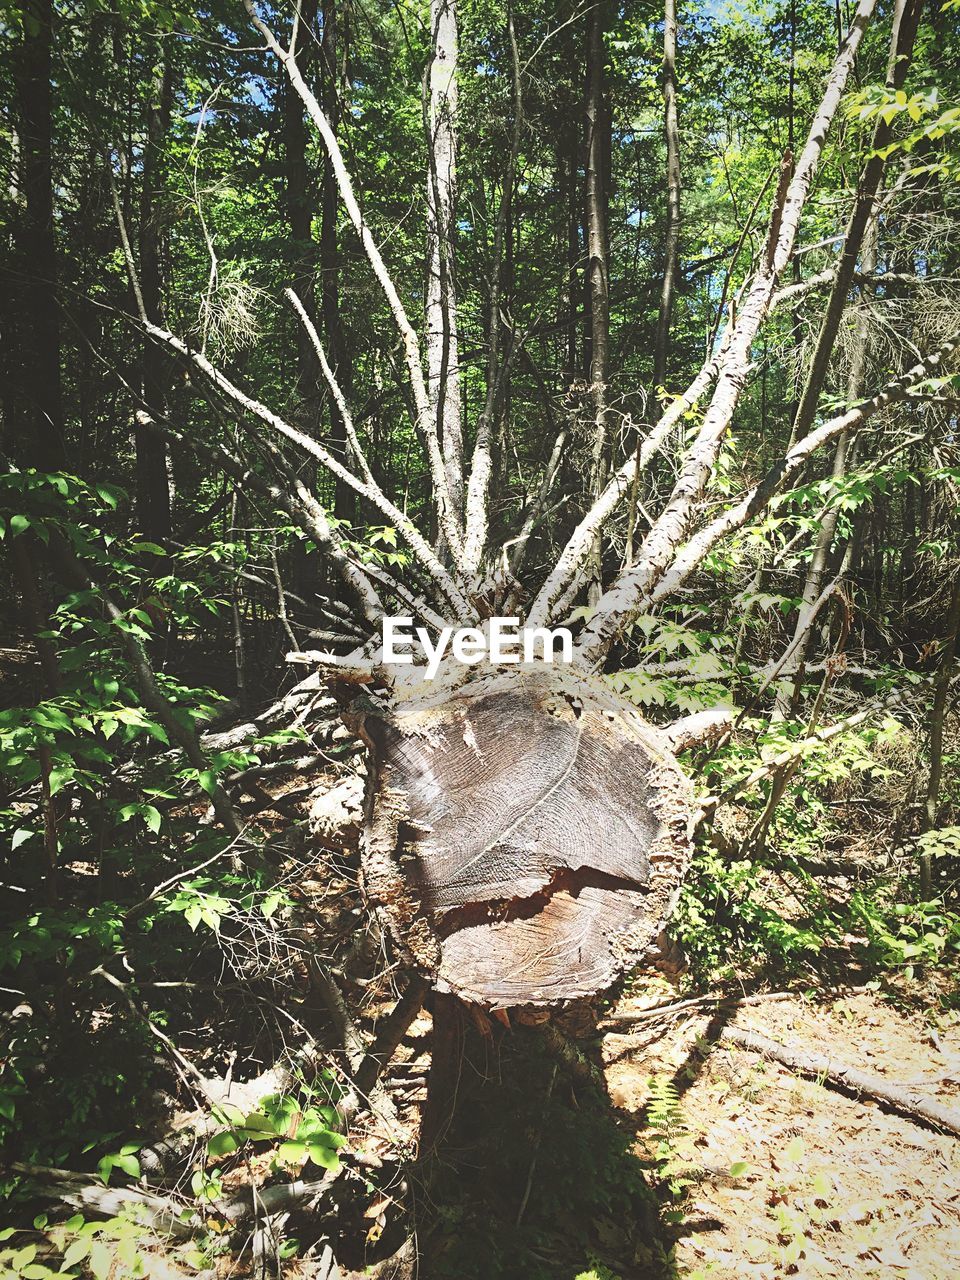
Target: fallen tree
(525,831)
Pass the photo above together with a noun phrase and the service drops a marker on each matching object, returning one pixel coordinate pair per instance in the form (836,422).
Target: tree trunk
(569,296)
(671,133)
(333,53)
(300,191)
(443,361)
(905,22)
(39,364)
(153,483)
(525,834)
(816,570)
(931,814)
(598,275)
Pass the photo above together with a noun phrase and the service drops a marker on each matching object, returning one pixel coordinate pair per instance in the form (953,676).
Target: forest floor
(786,1176)
(702,1159)
(750,1170)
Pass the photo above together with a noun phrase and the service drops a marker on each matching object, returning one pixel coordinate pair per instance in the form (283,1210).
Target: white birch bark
(443,361)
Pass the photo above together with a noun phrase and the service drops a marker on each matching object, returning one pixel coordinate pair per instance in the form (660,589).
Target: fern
(664,1113)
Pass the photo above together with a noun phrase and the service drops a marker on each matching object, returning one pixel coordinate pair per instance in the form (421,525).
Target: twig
(695,1002)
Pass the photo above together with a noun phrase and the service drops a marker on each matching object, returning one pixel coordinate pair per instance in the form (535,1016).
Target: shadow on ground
(534,1177)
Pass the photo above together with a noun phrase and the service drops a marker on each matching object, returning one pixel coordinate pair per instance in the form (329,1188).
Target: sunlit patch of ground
(788,1177)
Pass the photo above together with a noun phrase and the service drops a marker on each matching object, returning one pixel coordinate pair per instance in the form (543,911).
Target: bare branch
(308,515)
(783,471)
(425,421)
(658,546)
(478,483)
(545,606)
(421,548)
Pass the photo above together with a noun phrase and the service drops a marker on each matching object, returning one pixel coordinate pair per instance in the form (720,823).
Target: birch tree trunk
(442,351)
(598,269)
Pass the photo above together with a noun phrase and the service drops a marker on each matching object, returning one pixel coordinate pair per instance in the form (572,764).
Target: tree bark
(597,208)
(671,244)
(333,55)
(931,814)
(153,484)
(443,360)
(906,20)
(300,193)
(39,365)
(671,133)
(817,568)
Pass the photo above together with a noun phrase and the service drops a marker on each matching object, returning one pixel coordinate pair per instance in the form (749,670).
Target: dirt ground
(781,1175)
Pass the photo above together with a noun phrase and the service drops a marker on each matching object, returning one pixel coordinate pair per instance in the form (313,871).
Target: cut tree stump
(525,833)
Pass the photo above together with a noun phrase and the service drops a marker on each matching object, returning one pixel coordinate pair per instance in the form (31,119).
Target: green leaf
(324,1156)
(208,780)
(18,525)
(222,1144)
(291,1152)
(59,779)
(20,836)
(76,1252)
(106,496)
(101,1260)
(796,1150)
(738,1168)
(152,818)
(270,903)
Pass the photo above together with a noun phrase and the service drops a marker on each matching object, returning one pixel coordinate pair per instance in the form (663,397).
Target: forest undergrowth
(166,1043)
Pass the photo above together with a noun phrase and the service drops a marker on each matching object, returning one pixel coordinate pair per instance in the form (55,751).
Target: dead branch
(907,1099)
(737,515)
(698,729)
(797,749)
(438,574)
(161,1213)
(694,1002)
(618,604)
(425,421)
